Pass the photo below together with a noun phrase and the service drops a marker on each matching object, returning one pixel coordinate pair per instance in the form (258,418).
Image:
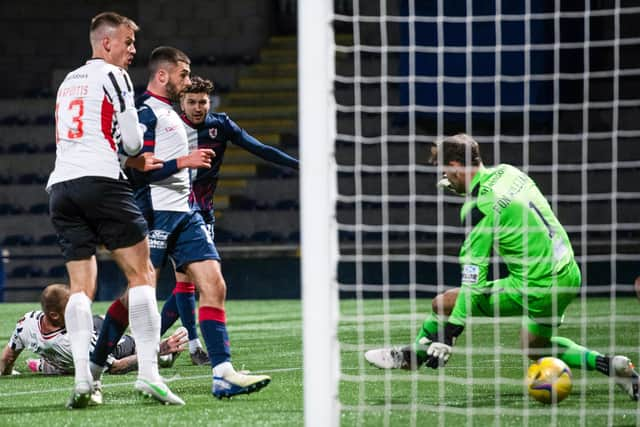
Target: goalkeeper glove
(440,349)
(438,354)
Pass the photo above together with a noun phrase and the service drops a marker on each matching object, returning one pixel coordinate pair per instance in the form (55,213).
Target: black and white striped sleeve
(120,89)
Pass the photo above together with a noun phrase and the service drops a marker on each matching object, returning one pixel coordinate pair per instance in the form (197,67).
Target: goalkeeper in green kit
(504,212)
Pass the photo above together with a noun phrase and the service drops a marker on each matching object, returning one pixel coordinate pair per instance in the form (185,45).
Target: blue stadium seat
(49,148)
(25,271)
(294,236)
(398,236)
(15,120)
(22,148)
(31,178)
(9,209)
(39,92)
(39,208)
(288,205)
(346,236)
(262,237)
(45,119)
(222,236)
(243,203)
(58,271)
(18,240)
(48,239)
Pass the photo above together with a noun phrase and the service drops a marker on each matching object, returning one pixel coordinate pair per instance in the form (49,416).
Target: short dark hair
(111,19)
(54,298)
(457,148)
(199,85)
(164,54)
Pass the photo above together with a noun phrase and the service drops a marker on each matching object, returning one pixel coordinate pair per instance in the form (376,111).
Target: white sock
(222,369)
(96,371)
(194,344)
(144,322)
(79,324)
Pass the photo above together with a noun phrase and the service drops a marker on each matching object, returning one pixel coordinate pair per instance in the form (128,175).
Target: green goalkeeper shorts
(543,304)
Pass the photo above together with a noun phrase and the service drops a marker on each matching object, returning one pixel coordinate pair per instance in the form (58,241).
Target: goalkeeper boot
(80,397)
(234,383)
(409,357)
(158,390)
(625,375)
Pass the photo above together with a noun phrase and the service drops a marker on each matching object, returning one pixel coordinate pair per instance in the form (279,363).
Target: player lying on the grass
(44,333)
(208,130)
(505,210)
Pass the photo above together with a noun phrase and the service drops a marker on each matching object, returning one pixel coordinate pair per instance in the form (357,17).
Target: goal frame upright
(317,213)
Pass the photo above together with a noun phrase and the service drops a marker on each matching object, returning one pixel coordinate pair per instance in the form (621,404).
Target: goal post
(317,213)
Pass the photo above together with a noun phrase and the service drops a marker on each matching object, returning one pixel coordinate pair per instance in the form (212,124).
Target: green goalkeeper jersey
(506,212)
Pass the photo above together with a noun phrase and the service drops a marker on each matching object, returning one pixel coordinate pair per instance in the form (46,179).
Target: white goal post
(317,197)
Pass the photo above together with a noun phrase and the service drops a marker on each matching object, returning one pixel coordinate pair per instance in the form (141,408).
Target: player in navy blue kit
(176,231)
(206,129)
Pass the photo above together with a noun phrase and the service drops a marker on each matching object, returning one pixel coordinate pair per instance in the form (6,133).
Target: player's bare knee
(437,305)
(443,303)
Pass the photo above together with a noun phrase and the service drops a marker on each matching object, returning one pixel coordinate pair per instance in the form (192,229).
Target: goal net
(550,87)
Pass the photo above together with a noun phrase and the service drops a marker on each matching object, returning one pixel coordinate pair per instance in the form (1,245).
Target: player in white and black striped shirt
(91,203)
(44,333)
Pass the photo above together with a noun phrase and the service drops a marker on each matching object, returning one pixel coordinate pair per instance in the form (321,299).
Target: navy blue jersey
(215,132)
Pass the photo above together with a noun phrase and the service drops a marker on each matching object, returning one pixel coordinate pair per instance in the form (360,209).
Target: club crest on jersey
(213,133)
(158,239)
(470,274)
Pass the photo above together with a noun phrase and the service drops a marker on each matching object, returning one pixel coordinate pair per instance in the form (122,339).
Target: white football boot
(81,396)
(234,383)
(158,390)
(96,394)
(397,357)
(625,375)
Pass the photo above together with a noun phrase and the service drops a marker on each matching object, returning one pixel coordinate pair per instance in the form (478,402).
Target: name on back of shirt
(81,90)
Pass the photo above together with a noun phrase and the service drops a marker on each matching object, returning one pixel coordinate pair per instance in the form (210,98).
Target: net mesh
(549,87)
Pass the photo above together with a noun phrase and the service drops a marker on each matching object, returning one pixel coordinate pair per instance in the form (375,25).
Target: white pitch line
(168,380)
(174,378)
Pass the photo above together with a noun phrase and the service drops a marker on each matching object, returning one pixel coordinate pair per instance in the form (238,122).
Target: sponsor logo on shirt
(158,239)
(470,273)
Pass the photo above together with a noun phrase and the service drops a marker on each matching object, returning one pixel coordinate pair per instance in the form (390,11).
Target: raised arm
(251,144)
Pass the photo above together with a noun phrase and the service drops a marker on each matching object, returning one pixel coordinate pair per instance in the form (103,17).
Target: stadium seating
(257,204)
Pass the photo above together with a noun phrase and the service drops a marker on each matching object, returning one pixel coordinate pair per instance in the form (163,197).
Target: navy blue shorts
(90,211)
(210,221)
(183,236)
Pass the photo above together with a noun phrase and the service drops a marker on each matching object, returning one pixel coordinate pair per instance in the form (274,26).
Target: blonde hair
(109,19)
(54,298)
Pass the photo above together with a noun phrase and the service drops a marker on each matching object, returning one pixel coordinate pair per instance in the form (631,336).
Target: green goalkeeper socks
(575,355)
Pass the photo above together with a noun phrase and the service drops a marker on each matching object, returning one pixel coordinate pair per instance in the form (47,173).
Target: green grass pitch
(266,338)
